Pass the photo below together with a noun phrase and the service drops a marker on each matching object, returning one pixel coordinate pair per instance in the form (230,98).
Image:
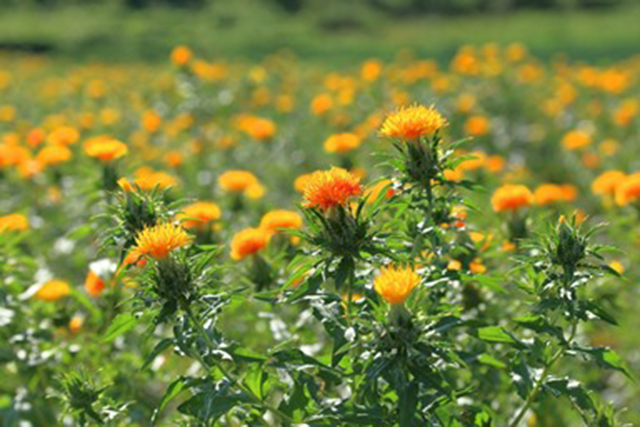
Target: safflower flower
(342,143)
(53,155)
(13,222)
(248,242)
(576,140)
(412,122)
(277,220)
(628,191)
(53,290)
(477,126)
(607,182)
(159,241)
(332,188)
(511,197)
(199,214)
(394,284)
(105,149)
(239,181)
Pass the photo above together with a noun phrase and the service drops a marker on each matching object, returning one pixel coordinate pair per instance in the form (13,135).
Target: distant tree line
(394,7)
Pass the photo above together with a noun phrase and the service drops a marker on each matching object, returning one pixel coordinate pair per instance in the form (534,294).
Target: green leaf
(210,406)
(174,389)
(121,324)
(491,361)
(495,334)
(256,380)
(608,358)
(578,395)
(159,348)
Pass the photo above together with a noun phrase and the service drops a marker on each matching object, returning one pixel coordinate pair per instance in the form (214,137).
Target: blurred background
(338,31)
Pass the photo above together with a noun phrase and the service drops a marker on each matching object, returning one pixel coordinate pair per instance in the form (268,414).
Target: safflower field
(271,242)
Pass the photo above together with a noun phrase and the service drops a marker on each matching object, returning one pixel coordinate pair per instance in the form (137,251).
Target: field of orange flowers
(393,243)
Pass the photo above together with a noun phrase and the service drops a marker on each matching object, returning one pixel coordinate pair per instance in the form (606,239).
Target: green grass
(248,30)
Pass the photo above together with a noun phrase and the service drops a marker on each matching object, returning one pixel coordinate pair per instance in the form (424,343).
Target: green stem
(545,373)
(234,381)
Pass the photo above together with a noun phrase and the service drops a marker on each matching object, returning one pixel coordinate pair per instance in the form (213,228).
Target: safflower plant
(155,269)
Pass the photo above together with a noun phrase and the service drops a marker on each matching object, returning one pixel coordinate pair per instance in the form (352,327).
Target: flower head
(52,155)
(13,222)
(249,241)
(147,179)
(395,284)
(342,143)
(199,214)
(576,140)
(547,194)
(180,55)
(158,241)
(258,128)
(511,197)
(239,181)
(274,221)
(477,126)
(412,122)
(607,182)
(328,189)
(53,290)
(628,191)
(105,149)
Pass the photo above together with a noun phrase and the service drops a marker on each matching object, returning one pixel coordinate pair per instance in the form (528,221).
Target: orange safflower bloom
(511,197)
(258,128)
(239,181)
(547,194)
(394,284)
(158,241)
(105,149)
(607,182)
(180,55)
(174,159)
(63,135)
(301,182)
(371,70)
(53,155)
(321,104)
(147,179)
(151,121)
(248,242)
(13,222)
(495,163)
(412,122)
(477,126)
(328,189)
(275,221)
(199,214)
(342,143)
(75,324)
(35,137)
(12,155)
(576,140)
(93,284)
(53,290)
(628,191)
